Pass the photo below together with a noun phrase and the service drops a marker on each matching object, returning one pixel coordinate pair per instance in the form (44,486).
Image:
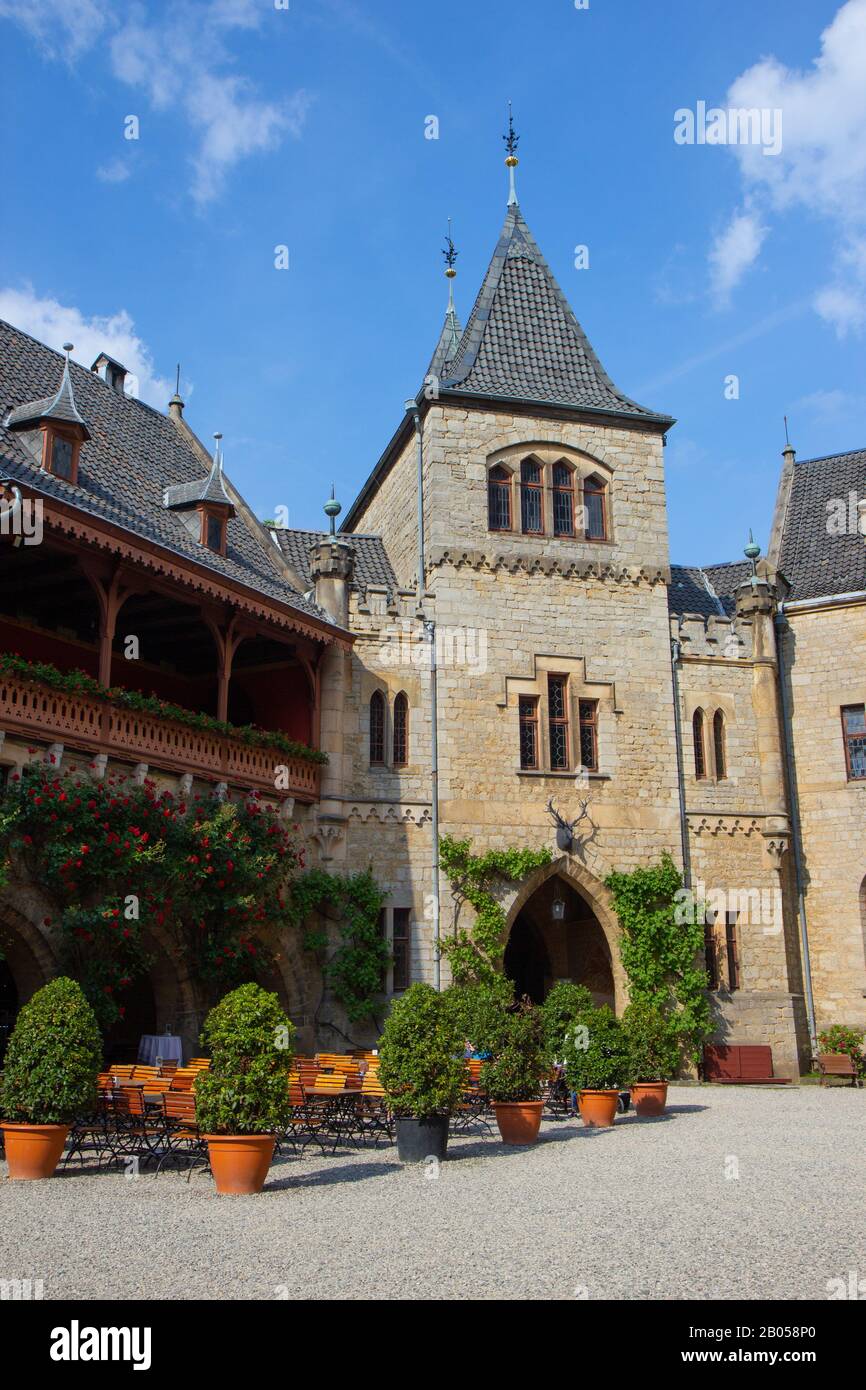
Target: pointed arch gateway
(581,944)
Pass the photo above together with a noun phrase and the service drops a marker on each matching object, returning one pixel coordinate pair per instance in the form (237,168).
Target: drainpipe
(412,409)
(430,634)
(791,784)
(681,778)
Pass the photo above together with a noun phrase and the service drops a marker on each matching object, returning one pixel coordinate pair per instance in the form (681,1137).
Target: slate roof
(817,564)
(133,454)
(372,565)
(523,341)
(706,590)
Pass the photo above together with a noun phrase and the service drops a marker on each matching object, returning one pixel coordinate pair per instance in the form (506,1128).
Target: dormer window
(213,530)
(204,506)
(61,455)
(62,428)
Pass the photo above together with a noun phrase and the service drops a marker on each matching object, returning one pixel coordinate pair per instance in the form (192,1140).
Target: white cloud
(180,60)
(822,164)
(831,406)
(113,171)
(55,324)
(734,250)
(62,28)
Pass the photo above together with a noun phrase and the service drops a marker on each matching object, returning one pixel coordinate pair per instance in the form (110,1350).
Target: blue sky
(262,126)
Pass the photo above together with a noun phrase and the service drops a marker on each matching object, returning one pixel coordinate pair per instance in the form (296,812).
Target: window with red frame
(563,500)
(377,729)
(528,731)
(499,499)
(595,509)
(531,498)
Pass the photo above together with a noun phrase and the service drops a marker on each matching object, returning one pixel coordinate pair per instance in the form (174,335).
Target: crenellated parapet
(714,637)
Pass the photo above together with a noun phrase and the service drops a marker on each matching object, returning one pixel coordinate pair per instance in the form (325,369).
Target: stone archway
(27,962)
(585,943)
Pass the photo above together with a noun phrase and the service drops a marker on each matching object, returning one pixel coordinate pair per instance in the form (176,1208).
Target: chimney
(113,373)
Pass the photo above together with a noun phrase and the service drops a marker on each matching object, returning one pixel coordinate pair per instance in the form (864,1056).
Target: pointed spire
(511,140)
(451,332)
(60,406)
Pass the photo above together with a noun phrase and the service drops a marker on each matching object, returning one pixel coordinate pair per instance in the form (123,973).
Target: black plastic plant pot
(418,1140)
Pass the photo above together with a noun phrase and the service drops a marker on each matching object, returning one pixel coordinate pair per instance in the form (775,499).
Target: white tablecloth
(164,1045)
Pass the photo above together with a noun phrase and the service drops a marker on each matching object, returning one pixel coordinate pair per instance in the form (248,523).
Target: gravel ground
(643,1211)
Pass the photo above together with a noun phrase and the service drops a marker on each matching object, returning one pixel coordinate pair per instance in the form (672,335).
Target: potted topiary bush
(597,1065)
(422,1070)
(49,1077)
(242,1100)
(479,1010)
(560,1012)
(653,1051)
(514,1076)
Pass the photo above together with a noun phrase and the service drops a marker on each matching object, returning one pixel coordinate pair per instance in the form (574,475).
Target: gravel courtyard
(651,1209)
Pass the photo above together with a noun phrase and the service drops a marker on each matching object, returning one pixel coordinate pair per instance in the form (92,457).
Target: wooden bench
(837,1064)
(741,1064)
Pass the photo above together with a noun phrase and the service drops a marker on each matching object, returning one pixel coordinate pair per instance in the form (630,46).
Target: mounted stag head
(565,829)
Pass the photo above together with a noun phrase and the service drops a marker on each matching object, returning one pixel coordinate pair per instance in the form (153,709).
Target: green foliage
(840,1038)
(79,683)
(52,1059)
(421,1054)
(659,953)
(354,970)
(480,1009)
(517,1068)
(207,878)
(476,954)
(246,1088)
(561,1010)
(653,1042)
(596,1052)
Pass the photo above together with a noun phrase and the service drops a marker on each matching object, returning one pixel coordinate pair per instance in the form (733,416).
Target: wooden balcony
(95,725)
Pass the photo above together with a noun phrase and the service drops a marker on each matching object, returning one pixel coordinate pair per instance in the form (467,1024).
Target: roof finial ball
(450,254)
(511,161)
(752,552)
(332,510)
(67,347)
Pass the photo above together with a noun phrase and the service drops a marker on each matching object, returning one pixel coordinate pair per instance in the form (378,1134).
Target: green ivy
(476,954)
(659,954)
(355,969)
(80,683)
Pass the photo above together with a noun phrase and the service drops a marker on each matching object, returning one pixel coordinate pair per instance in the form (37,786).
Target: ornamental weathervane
(511,141)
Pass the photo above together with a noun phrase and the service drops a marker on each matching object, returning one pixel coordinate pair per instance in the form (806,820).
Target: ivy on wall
(355,968)
(660,954)
(476,954)
(80,683)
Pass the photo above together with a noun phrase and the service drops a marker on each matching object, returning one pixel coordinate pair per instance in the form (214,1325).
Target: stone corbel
(328,835)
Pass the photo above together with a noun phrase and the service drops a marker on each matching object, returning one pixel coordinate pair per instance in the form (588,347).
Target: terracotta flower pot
(519,1120)
(240,1162)
(597,1108)
(33,1151)
(649,1098)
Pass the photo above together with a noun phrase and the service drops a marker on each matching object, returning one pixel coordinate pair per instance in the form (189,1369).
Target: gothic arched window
(698,737)
(499,499)
(377,728)
(563,500)
(531,498)
(401,730)
(719,745)
(595,509)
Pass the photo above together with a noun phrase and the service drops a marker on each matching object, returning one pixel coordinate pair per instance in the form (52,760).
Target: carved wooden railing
(85,721)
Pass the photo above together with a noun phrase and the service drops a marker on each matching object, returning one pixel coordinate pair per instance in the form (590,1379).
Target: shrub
(653,1046)
(561,1010)
(480,1010)
(421,1054)
(53,1056)
(596,1053)
(838,1038)
(246,1088)
(519,1062)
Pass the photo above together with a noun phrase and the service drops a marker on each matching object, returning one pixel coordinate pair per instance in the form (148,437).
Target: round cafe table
(165,1045)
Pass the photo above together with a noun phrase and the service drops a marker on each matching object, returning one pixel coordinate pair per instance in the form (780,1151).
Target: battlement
(725,639)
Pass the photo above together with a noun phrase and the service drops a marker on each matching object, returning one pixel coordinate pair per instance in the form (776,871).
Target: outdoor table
(165,1045)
